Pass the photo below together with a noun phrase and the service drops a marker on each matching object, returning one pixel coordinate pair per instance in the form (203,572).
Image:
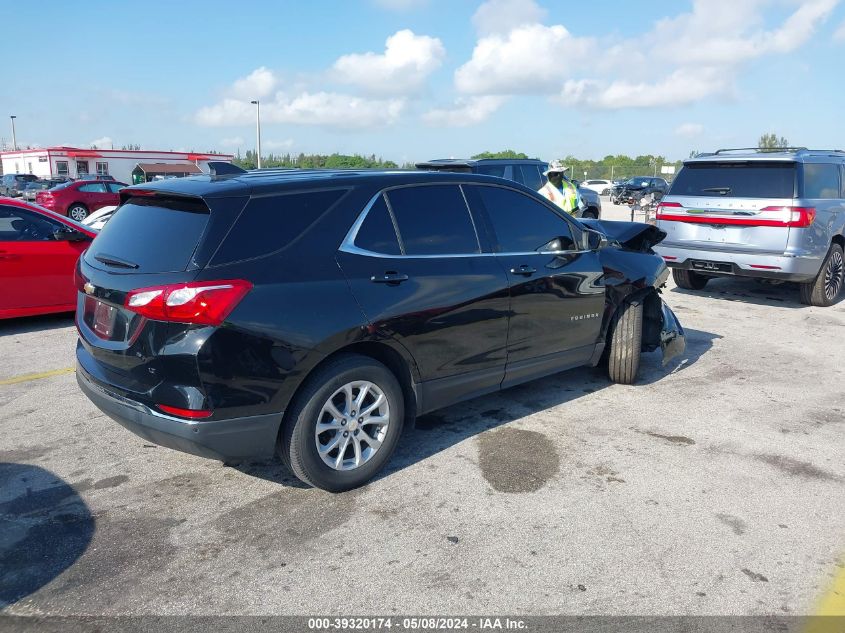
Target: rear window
(153,234)
(736,180)
(271,223)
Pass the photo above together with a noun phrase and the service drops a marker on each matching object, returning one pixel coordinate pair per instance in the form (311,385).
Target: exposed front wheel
(689,279)
(77,212)
(344,425)
(626,340)
(825,288)
(590,214)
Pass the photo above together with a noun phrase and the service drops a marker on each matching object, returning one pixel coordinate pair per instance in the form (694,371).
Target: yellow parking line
(830,612)
(44,374)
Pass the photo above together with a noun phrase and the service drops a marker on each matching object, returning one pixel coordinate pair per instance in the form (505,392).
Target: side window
(492,170)
(17,225)
(821,181)
(521,224)
(531,177)
(433,220)
(114,187)
(271,223)
(93,187)
(842,180)
(376,233)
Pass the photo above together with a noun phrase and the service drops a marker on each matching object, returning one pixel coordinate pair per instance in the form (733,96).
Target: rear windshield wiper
(722,190)
(111,260)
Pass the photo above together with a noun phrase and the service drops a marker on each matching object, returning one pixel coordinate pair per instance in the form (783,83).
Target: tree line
(316,161)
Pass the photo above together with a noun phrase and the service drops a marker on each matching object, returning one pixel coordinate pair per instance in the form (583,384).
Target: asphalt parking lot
(713,486)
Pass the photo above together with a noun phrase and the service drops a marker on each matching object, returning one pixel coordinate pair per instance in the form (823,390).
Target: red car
(38,253)
(79,198)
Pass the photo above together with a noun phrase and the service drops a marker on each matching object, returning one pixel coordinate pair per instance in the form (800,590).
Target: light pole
(14,138)
(257,130)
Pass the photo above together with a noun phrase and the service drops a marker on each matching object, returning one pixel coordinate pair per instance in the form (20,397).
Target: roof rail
(759,149)
(220,168)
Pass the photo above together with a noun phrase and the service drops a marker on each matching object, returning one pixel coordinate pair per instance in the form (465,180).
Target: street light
(14,138)
(257,130)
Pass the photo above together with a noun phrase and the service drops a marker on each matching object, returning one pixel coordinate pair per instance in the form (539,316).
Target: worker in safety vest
(559,189)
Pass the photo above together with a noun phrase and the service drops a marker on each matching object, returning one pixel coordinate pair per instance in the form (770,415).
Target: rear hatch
(152,241)
(732,206)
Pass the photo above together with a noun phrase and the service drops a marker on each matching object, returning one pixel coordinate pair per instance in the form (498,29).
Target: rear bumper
(227,440)
(732,264)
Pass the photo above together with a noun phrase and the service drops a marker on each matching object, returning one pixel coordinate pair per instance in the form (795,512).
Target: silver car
(774,215)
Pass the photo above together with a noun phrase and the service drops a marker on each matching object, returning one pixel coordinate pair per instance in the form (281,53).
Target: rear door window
(271,223)
(753,179)
(531,177)
(433,220)
(492,170)
(154,235)
(821,181)
(93,187)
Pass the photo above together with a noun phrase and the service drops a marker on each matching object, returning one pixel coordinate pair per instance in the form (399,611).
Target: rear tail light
(796,217)
(198,302)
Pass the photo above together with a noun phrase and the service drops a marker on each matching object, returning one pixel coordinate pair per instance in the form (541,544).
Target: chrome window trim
(348,243)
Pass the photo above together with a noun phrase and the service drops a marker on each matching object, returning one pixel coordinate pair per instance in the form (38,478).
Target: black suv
(12,185)
(525,171)
(638,186)
(311,313)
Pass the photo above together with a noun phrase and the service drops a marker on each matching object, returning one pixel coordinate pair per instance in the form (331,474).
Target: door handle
(524,270)
(390,277)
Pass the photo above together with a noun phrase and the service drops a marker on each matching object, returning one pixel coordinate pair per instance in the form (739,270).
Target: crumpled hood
(635,236)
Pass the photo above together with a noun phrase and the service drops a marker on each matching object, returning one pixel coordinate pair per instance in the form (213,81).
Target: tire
(688,279)
(827,286)
(77,211)
(605,192)
(626,341)
(590,213)
(299,438)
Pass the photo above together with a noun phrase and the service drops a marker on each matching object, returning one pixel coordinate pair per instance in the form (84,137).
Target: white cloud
(328,109)
(407,61)
(839,33)
(530,59)
(104,142)
(400,5)
(684,59)
(502,16)
(682,87)
(260,83)
(689,130)
(467,111)
(234,141)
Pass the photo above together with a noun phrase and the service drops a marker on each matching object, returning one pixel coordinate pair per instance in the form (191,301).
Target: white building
(75,162)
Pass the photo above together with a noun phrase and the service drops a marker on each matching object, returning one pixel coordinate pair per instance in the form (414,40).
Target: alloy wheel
(352,425)
(78,213)
(833,275)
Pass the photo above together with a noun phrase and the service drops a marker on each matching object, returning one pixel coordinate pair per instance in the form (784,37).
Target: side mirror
(593,240)
(69,235)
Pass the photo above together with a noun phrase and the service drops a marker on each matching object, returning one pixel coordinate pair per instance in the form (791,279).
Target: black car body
(525,171)
(215,310)
(638,187)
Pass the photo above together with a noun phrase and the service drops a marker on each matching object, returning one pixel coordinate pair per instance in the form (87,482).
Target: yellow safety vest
(566,200)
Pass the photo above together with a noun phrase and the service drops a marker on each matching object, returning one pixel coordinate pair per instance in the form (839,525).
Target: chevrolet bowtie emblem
(89,288)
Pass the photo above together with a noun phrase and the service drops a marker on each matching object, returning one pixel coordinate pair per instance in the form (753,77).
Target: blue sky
(418,79)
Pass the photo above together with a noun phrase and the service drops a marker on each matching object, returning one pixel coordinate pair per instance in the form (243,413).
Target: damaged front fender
(673,341)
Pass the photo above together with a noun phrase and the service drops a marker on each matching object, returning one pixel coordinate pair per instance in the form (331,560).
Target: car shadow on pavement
(45,526)
(437,431)
(441,429)
(785,295)
(23,325)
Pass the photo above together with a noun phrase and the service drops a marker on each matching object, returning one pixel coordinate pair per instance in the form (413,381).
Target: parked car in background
(79,198)
(32,188)
(771,215)
(197,302)
(601,187)
(528,172)
(638,187)
(104,177)
(38,253)
(13,185)
(97,220)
